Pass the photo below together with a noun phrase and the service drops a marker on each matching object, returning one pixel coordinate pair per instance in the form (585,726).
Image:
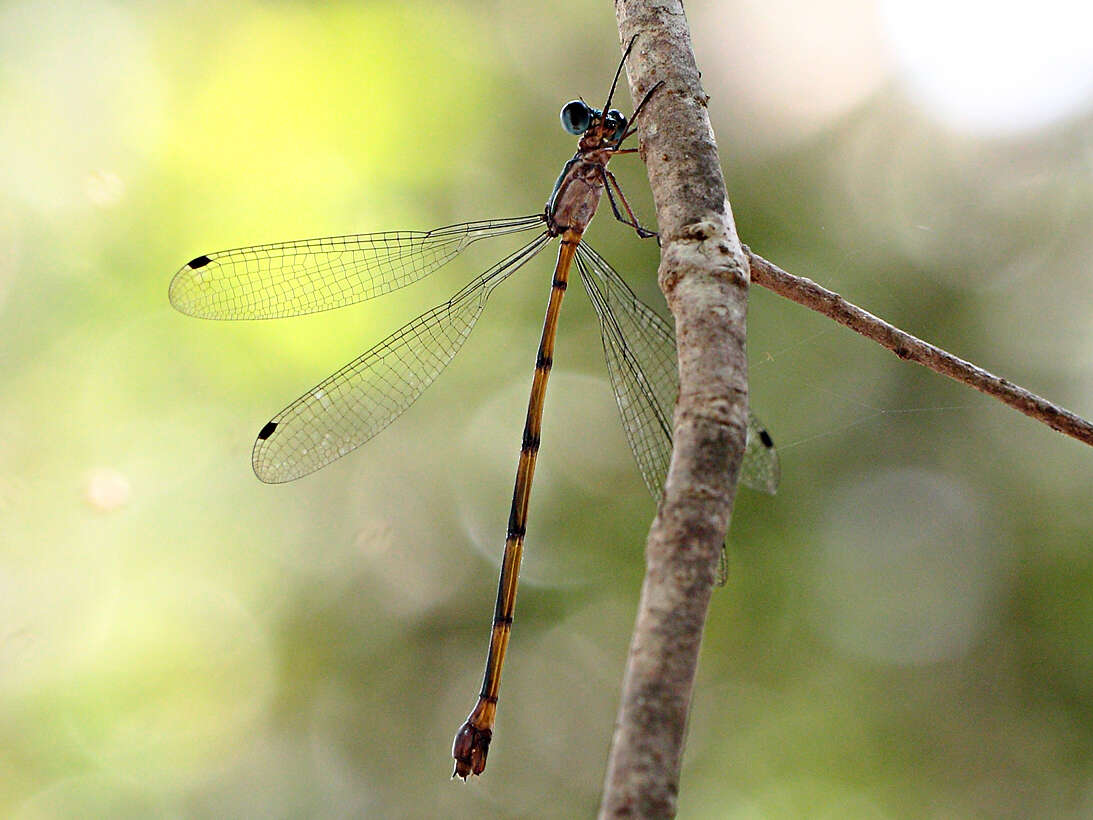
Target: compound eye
(616,124)
(576,117)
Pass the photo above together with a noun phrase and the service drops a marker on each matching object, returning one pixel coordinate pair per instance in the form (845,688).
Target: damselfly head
(577,117)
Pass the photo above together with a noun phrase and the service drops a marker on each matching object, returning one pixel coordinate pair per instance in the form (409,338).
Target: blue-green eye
(576,117)
(616,124)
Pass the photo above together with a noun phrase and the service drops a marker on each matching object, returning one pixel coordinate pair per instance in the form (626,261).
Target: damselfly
(357,402)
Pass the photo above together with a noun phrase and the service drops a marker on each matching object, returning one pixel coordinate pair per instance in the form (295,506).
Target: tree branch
(830,304)
(704,273)
(704,276)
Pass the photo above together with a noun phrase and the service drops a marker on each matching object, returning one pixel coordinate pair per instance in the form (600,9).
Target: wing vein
(362,398)
(639,347)
(310,275)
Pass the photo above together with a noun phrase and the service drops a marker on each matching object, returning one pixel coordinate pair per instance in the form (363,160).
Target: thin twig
(704,278)
(811,295)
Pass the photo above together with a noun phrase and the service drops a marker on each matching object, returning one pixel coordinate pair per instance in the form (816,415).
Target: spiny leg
(618,72)
(629,219)
(637,113)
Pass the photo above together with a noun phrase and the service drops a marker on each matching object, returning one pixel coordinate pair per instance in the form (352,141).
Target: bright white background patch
(994,67)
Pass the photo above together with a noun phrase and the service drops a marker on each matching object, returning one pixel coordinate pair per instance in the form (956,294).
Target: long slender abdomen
(473,739)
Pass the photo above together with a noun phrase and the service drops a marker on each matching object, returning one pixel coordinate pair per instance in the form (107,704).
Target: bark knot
(699,231)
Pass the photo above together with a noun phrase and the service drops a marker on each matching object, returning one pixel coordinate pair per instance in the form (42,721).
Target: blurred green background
(908,626)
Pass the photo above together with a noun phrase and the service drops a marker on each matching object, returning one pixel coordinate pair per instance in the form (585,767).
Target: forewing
(354,404)
(311,275)
(640,356)
(640,350)
(761,469)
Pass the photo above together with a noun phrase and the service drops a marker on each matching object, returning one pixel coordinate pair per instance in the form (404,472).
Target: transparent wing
(354,404)
(640,350)
(310,275)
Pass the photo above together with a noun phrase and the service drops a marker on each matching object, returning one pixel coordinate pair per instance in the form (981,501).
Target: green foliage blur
(908,625)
